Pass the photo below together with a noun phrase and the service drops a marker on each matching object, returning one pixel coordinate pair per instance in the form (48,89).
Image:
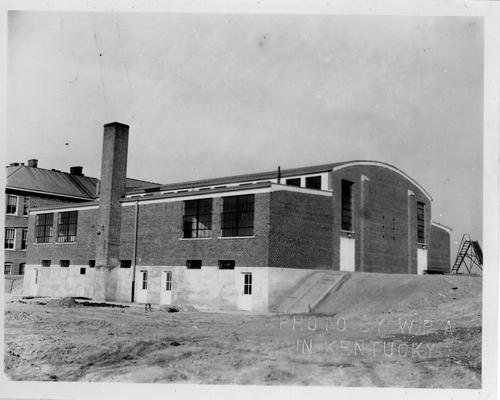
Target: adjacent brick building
(232,242)
(29,187)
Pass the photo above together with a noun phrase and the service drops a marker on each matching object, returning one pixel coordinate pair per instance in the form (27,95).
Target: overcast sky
(210,95)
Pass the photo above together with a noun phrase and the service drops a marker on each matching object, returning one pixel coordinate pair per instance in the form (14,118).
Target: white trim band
(389,167)
(52,210)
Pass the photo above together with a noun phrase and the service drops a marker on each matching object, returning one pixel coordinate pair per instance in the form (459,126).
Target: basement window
(347,205)
(7,268)
(64,263)
(83,271)
(238,215)
(313,182)
(193,264)
(125,263)
(91,263)
(67,226)
(420,222)
(43,228)
(45,263)
(197,220)
(227,264)
(293,182)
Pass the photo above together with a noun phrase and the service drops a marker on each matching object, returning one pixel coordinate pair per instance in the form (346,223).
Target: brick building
(29,187)
(236,242)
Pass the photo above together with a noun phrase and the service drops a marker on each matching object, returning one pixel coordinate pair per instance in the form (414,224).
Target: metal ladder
(469,255)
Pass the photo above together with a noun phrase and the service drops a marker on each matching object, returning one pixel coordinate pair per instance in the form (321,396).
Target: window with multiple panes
(168,281)
(11,204)
(64,263)
(10,238)
(21,268)
(293,182)
(247,283)
(124,263)
(347,205)
(26,206)
(7,268)
(193,264)
(144,280)
(43,228)
(238,215)
(45,263)
(313,182)
(23,239)
(227,264)
(420,222)
(197,220)
(66,231)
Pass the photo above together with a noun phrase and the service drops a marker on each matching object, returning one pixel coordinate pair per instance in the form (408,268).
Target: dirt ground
(399,331)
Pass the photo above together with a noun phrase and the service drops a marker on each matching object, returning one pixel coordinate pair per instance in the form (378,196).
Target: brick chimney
(33,163)
(112,188)
(78,171)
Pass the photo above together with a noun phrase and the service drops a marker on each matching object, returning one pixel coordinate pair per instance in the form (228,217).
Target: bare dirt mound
(63,302)
(368,293)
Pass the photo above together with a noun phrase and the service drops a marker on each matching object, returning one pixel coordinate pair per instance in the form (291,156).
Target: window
(45,263)
(313,182)
(43,228)
(247,283)
(347,205)
(83,271)
(144,280)
(168,283)
(21,268)
(124,263)
(226,264)
(64,263)
(91,263)
(10,238)
(23,239)
(7,268)
(293,182)
(26,206)
(420,222)
(197,220)
(193,264)
(11,204)
(67,226)
(237,215)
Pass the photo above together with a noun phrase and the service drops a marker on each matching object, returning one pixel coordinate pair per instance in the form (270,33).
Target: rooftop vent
(14,164)
(78,171)
(33,163)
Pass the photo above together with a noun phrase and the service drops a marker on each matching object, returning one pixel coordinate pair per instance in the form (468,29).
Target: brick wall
(78,252)
(300,231)
(439,252)
(20,221)
(160,236)
(388,241)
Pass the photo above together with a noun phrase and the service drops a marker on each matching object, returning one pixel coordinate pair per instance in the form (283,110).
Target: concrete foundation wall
(281,280)
(208,288)
(58,281)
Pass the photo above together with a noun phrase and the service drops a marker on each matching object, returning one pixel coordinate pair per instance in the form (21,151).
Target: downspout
(134,254)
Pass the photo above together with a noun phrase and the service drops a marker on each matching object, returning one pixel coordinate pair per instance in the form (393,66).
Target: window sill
(41,244)
(11,249)
(344,231)
(204,238)
(236,237)
(65,242)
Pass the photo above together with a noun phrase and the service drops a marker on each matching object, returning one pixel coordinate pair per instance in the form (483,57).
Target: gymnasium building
(238,242)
